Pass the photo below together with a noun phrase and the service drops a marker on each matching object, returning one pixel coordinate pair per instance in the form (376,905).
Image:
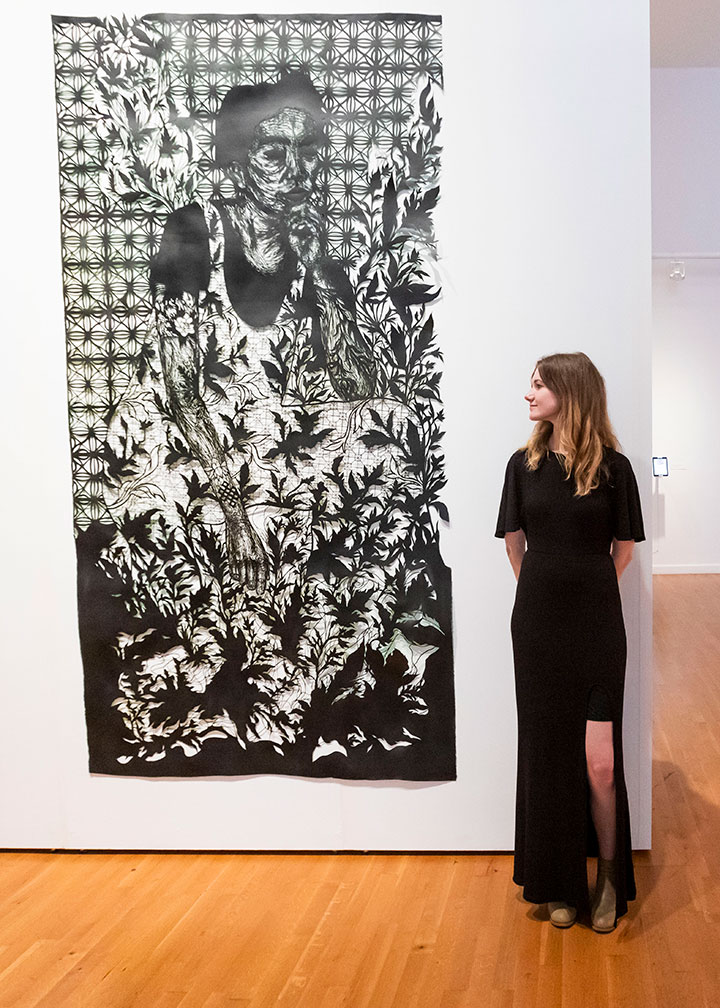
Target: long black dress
(568,639)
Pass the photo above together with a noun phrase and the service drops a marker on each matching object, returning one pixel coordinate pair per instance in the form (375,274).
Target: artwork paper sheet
(254,393)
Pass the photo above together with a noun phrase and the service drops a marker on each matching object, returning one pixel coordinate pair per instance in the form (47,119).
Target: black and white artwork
(249,266)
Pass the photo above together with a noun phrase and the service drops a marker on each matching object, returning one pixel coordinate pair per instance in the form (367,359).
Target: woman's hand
(621,551)
(515,549)
(305,229)
(246,553)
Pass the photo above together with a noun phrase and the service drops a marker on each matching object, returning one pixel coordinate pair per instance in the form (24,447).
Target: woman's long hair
(585,428)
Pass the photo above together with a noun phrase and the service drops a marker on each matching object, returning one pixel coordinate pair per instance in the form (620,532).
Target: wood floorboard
(165,930)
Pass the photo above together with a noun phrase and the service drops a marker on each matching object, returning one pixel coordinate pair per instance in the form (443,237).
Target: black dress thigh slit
(569,649)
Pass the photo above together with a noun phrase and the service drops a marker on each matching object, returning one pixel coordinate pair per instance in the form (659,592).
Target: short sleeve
(627,518)
(510,516)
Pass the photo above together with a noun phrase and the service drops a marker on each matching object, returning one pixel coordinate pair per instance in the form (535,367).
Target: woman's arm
(177,326)
(350,363)
(621,551)
(515,549)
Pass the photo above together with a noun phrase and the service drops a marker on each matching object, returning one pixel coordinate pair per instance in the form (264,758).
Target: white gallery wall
(686,317)
(544,226)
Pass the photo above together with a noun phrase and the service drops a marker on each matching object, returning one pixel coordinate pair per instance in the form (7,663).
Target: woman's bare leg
(600,757)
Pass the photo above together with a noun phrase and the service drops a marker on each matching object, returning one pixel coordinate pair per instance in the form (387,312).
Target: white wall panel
(545,236)
(686,317)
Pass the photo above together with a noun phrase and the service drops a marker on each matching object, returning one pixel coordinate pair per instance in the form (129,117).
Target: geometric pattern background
(367,70)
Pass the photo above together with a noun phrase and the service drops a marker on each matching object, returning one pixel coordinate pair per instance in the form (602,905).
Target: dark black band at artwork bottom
(409,734)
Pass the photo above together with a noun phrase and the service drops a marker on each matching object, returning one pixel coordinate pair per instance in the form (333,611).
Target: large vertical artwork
(255,416)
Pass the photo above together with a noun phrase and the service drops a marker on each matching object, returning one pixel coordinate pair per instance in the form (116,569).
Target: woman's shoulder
(618,465)
(516,462)
(616,458)
(518,457)
(187,225)
(182,264)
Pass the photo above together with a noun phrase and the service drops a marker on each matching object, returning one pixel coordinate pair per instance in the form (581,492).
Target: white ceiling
(685,33)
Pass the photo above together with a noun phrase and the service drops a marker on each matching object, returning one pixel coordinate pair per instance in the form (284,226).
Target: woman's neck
(260,235)
(555,442)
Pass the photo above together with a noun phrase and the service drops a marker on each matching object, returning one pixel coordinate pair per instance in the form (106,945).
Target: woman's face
(283,161)
(544,404)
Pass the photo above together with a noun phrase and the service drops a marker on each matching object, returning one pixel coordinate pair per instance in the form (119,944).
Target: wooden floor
(321,931)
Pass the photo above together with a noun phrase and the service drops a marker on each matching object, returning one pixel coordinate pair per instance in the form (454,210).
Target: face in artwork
(544,404)
(283,161)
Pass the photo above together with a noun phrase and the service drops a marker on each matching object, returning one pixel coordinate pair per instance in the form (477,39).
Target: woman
(570,515)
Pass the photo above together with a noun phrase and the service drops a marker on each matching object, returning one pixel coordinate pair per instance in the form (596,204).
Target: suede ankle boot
(562,915)
(604,905)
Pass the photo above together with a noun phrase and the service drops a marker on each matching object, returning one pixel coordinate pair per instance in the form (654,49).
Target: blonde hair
(584,425)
